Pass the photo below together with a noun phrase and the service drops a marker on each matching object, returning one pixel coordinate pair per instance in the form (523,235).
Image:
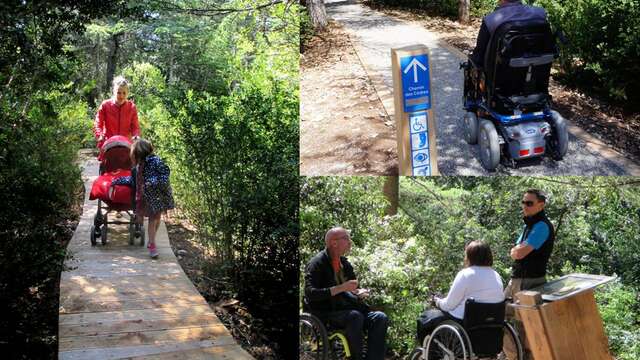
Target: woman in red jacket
(117,116)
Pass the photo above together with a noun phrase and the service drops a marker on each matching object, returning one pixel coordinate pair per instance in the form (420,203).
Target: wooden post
(413,102)
(566,329)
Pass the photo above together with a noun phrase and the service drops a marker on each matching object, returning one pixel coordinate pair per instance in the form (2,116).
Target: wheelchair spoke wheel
(416,354)
(447,343)
(511,345)
(313,338)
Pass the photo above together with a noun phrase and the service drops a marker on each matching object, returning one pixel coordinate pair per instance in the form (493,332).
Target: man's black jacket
(319,277)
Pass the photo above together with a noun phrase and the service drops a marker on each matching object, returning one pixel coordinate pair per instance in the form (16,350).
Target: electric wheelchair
(481,334)
(507,102)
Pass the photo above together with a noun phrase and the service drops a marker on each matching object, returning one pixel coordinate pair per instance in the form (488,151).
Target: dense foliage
(408,257)
(602,52)
(216,87)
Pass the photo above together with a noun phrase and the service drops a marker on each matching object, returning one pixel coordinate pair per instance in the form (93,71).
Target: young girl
(153,191)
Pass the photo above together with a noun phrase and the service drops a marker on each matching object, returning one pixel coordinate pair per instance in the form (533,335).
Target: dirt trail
(344,129)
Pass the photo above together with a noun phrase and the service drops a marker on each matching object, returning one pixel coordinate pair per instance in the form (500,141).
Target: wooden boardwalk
(116,302)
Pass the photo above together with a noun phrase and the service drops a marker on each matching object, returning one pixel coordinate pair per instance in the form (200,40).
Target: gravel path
(374,34)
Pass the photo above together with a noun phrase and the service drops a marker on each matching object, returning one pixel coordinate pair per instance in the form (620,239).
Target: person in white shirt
(477,280)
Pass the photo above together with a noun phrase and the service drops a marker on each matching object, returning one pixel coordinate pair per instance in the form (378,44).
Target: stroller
(114,156)
(507,102)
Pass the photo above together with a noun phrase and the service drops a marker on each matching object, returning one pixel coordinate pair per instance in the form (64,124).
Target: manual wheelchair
(480,335)
(507,102)
(319,342)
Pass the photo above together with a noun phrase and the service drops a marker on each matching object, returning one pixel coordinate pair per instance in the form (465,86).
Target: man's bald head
(338,241)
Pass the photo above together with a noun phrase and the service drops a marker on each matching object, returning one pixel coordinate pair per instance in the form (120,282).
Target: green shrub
(603,50)
(437,7)
(618,305)
(39,179)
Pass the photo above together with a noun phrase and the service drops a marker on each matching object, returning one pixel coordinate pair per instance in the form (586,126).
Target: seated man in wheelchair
(506,95)
(332,295)
(469,321)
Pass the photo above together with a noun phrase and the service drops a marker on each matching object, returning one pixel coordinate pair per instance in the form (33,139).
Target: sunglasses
(528,203)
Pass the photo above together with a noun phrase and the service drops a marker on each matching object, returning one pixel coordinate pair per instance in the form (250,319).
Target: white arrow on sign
(414,63)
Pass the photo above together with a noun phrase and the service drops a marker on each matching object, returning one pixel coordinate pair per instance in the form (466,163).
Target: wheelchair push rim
(313,343)
(447,342)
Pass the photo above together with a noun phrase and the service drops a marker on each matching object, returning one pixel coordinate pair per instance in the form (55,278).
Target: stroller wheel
(103,235)
(470,122)
(132,233)
(489,146)
(559,143)
(142,237)
(93,235)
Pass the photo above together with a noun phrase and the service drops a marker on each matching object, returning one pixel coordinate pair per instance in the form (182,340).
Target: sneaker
(153,252)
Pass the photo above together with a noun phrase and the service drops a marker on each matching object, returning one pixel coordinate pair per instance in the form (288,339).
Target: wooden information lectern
(561,319)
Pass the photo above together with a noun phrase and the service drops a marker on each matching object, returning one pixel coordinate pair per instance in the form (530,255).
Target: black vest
(534,265)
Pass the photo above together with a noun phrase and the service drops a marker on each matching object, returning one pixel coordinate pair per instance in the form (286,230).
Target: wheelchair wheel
(489,145)
(339,347)
(314,344)
(470,122)
(448,342)
(559,143)
(511,345)
(416,354)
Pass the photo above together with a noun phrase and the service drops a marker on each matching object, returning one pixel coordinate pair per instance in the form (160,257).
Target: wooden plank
(124,295)
(119,352)
(78,305)
(113,327)
(218,334)
(574,328)
(535,332)
(210,353)
(145,314)
(95,290)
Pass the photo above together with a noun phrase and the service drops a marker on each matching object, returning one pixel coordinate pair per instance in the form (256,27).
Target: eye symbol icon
(420,157)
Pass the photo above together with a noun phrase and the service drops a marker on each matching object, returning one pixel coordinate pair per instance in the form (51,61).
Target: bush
(39,179)
(603,50)
(233,170)
(437,7)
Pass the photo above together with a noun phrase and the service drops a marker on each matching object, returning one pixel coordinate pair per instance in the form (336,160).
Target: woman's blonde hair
(118,82)
(140,149)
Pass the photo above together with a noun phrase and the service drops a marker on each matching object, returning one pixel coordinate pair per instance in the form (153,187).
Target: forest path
(374,34)
(116,302)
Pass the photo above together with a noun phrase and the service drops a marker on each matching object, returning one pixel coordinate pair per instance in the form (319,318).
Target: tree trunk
(390,190)
(112,60)
(463,11)
(318,14)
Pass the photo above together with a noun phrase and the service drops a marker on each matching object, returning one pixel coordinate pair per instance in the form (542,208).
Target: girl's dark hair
(141,149)
(479,254)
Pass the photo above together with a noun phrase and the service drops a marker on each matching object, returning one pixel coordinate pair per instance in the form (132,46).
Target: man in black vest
(507,10)
(531,252)
(331,293)
(533,247)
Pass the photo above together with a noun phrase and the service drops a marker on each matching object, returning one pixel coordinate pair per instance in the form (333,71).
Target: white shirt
(479,282)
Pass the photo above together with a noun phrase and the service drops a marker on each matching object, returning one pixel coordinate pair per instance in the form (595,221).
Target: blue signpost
(413,105)
(415,83)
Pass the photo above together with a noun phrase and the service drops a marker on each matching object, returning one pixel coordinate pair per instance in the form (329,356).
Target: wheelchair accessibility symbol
(417,122)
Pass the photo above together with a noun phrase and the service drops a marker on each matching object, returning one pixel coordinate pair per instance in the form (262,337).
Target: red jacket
(112,120)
